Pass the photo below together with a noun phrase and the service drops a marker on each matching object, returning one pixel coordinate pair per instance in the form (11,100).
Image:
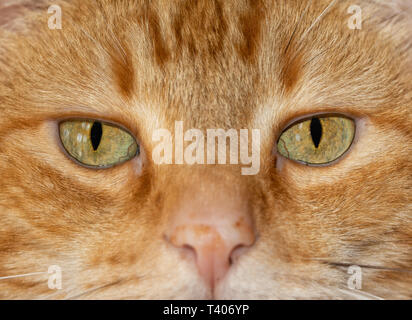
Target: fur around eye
(317,140)
(97,144)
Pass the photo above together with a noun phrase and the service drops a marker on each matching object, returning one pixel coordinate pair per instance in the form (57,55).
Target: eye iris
(96,134)
(316,131)
(317,140)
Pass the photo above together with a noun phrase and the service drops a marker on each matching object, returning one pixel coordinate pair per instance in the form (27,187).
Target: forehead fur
(142,38)
(214,64)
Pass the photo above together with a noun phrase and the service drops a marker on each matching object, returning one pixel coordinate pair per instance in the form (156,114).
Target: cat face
(144,230)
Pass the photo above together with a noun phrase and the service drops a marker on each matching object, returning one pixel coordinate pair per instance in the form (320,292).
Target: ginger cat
(82,197)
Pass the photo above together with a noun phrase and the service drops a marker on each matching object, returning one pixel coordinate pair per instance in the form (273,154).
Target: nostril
(189,250)
(230,261)
(185,249)
(213,247)
(236,253)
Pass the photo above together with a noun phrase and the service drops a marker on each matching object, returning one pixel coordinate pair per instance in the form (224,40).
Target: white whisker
(93,290)
(48,297)
(360,295)
(317,20)
(23,275)
(324,12)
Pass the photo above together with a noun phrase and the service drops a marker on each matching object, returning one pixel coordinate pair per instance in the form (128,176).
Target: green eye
(97,144)
(318,140)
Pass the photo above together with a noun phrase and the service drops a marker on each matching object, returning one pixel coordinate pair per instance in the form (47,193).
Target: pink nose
(215,233)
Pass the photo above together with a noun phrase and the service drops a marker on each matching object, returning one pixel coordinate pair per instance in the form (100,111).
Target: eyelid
(103,121)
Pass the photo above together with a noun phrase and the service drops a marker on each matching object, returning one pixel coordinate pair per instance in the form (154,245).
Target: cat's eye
(317,140)
(97,144)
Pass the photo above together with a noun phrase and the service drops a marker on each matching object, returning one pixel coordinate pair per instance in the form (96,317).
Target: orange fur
(212,64)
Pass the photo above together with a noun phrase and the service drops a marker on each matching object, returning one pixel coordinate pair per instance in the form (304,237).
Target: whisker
(319,18)
(95,289)
(23,275)
(366,266)
(297,24)
(358,294)
(122,280)
(329,290)
(48,297)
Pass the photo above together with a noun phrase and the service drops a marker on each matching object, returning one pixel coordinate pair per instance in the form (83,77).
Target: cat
(143,230)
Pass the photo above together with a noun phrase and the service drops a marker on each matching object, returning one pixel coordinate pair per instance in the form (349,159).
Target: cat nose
(214,247)
(215,235)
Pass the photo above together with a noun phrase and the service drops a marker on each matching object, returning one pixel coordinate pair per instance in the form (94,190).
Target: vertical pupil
(96,134)
(316,131)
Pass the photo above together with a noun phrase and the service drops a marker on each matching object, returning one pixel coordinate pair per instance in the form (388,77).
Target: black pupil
(96,134)
(316,131)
